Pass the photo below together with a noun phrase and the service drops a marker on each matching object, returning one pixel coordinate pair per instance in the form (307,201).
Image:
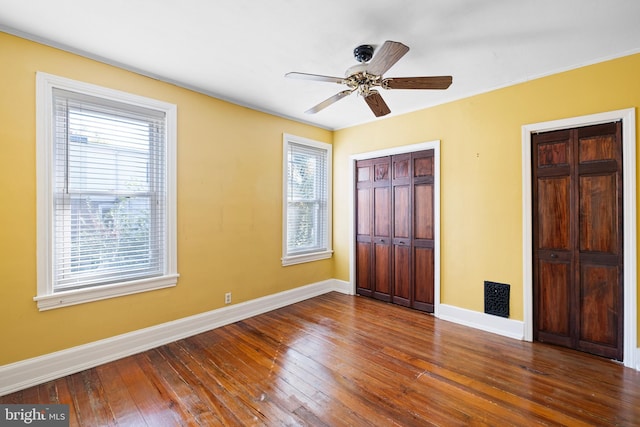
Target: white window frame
(288,258)
(46,297)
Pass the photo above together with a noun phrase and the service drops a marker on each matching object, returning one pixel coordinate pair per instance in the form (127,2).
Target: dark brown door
(394,229)
(577,238)
(373,228)
(422,242)
(402,274)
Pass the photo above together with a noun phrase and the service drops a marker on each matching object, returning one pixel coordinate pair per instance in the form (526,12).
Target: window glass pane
(99,237)
(108,155)
(304,231)
(108,214)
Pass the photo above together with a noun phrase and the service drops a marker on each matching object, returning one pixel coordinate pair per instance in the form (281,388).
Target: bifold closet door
(423,238)
(578,238)
(394,229)
(373,228)
(402,268)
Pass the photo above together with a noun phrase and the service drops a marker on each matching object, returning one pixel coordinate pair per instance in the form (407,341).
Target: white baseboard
(498,325)
(343,287)
(26,373)
(486,322)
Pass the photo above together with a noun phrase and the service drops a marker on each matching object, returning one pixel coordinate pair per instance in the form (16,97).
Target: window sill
(299,259)
(79,296)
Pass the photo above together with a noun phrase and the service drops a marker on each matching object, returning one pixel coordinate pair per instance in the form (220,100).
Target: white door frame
(430,145)
(629,220)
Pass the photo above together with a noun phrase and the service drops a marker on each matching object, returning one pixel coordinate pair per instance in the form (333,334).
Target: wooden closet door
(599,235)
(364,227)
(423,237)
(553,236)
(373,228)
(402,262)
(578,233)
(395,229)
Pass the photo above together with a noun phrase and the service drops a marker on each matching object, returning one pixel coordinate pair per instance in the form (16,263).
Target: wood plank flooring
(339,360)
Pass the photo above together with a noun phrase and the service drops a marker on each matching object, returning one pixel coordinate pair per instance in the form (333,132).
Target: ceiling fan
(367,75)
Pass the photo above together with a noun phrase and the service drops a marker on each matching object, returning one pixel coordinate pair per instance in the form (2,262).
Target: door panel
(554,301)
(401,166)
(553,213)
(554,153)
(423,166)
(423,228)
(597,148)
(402,275)
(598,214)
(424,279)
(382,286)
(363,172)
(363,278)
(381,170)
(363,207)
(598,305)
(381,208)
(401,223)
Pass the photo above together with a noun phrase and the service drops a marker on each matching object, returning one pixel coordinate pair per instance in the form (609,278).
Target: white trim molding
(486,322)
(26,373)
(631,351)
(429,145)
(77,296)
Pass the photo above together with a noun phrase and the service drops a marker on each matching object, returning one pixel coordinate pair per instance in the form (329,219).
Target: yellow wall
(481,174)
(229,208)
(229,193)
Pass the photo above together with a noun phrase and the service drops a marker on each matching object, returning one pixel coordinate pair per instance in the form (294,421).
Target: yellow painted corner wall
(481,173)
(229,208)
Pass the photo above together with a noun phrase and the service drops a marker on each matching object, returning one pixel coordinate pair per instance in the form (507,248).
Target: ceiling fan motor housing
(363,53)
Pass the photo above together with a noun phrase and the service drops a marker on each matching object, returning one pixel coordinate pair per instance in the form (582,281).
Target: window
(306,200)
(106,193)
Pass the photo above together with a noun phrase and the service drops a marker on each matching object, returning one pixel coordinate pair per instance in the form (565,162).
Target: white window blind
(307,193)
(106,174)
(109,191)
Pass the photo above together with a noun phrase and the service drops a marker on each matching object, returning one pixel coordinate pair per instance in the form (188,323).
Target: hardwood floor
(340,360)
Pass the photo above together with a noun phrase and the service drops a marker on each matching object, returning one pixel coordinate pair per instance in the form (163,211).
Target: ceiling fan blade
(324,104)
(435,82)
(387,55)
(377,104)
(316,77)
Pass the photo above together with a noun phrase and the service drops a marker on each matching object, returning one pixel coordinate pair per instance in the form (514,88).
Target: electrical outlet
(227,298)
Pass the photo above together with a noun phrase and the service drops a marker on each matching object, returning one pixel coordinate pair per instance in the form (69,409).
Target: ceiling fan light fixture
(363,53)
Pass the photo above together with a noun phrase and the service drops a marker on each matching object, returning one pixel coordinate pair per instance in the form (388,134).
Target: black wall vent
(496,298)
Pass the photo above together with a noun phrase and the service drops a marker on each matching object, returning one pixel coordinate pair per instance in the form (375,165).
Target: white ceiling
(239,50)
